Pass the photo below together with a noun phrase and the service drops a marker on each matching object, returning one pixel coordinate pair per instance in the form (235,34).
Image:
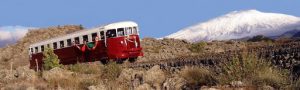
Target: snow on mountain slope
(239,24)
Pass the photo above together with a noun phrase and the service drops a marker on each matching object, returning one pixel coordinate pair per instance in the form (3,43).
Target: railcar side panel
(122,42)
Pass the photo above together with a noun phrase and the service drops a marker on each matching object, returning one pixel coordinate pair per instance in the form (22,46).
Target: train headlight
(122,42)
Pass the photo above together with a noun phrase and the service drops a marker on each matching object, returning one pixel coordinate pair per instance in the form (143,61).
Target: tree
(50,59)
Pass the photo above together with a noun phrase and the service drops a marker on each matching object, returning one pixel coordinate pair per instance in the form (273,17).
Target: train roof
(87,31)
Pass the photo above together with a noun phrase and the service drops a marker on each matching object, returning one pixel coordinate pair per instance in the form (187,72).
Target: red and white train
(116,41)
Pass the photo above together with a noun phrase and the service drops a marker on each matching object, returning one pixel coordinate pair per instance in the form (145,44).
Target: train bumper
(130,53)
(134,52)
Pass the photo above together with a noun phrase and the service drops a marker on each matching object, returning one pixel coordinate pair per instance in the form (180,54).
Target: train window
(42,48)
(128,31)
(111,33)
(31,49)
(120,31)
(61,43)
(55,45)
(36,49)
(76,40)
(134,30)
(94,35)
(69,42)
(102,35)
(85,38)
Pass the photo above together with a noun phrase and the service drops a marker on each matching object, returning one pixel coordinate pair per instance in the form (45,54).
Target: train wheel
(132,60)
(104,61)
(120,61)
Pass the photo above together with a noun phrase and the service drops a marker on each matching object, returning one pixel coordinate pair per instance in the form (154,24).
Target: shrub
(229,42)
(197,47)
(259,38)
(198,76)
(85,83)
(250,69)
(271,76)
(111,71)
(50,59)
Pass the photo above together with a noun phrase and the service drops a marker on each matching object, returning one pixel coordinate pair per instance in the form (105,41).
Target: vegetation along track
(284,55)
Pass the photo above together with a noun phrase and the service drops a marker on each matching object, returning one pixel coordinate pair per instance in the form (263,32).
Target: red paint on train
(117,48)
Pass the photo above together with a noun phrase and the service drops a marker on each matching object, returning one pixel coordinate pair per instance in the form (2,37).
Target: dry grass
(157,49)
(76,82)
(253,71)
(154,77)
(198,76)
(83,68)
(247,68)
(87,75)
(111,71)
(83,75)
(69,82)
(85,83)
(270,76)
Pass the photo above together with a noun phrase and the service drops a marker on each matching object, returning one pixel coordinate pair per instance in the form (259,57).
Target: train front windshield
(111,33)
(131,30)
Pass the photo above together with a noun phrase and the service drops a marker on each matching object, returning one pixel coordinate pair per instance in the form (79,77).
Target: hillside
(239,24)
(18,53)
(156,50)
(149,75)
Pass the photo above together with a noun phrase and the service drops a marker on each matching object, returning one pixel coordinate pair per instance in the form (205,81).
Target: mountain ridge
(239,24)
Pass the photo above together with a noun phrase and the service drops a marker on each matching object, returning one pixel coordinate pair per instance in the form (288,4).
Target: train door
(102,44)
(110,44)
(103,38)
(100,50)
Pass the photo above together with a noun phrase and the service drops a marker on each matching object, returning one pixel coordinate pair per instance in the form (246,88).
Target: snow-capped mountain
(239,24)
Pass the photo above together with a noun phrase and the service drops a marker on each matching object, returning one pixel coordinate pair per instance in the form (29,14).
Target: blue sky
(157,18)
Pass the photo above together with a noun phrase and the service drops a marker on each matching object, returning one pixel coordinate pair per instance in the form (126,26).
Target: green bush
(50,59)
(197,47)
(249,69)
(111,71)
